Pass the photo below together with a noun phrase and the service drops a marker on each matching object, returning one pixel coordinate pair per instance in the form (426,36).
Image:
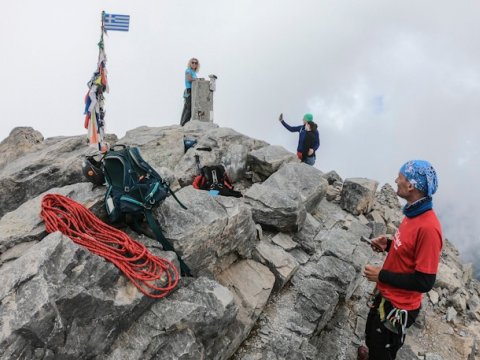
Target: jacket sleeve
(417,281)
(316,144)
(292,128)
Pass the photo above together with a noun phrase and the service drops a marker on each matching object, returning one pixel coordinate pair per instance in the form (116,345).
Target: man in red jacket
(410,267)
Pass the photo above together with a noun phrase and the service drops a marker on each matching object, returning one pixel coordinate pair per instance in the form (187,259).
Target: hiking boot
(362,353)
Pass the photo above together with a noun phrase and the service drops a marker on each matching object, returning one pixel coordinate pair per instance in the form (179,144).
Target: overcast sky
(387,81)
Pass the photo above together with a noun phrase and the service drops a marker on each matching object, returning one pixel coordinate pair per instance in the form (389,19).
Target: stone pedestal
(202,101)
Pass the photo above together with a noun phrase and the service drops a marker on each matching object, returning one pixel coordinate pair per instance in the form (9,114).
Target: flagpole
(94,100)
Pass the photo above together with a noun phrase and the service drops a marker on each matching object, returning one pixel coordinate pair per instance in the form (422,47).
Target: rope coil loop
(155,277)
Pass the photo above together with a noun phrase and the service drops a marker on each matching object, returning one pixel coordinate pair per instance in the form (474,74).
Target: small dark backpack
(215,178)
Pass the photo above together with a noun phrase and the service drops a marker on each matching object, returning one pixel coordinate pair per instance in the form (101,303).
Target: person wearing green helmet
(302,139)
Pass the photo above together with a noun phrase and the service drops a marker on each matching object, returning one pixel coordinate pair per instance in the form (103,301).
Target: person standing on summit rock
(410,267)
(310,152)
(193,67)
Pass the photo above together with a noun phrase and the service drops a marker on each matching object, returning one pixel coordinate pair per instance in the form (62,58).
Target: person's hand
(280,118)
(310,152)
(379,244)
(371,272)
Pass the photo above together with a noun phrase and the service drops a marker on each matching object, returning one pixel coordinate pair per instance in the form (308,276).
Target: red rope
(146,271)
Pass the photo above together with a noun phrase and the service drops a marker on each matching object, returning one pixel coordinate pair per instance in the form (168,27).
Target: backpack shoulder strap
(152,222)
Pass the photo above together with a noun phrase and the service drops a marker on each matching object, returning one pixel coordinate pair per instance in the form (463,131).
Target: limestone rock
(211,233)
(22,228)
(447,278)
(358,195)
(64,298)
(183,326)
(265,161)
(377,224)
(284,241)
(20,141)
(306,236)
(300,178)
(281,264)
(58,163)
(332,177)
(275,208)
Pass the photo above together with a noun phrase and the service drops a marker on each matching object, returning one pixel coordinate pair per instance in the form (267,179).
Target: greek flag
(116,22)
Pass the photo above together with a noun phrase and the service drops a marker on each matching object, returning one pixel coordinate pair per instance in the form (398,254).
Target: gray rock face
(64,298)
(280,270)
(212,233)
(358,195)
(265,161)
(274,208)
(57,164)
(235,161)
(251,284)
(228,148)
(186,325)
(377,224)
(304,179)
(332,177)
(281,264)
(334,270)
(20,141)
(22,228)
(287,325)
(306,236)
(160,147)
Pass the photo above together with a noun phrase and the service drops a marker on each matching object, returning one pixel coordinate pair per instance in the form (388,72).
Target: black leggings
(382,343)
(187,107)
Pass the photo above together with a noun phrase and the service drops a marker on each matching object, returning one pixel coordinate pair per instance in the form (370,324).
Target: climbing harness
(395,321)
(153,276)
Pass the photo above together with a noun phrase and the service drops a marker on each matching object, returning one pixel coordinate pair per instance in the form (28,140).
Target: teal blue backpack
(136,189)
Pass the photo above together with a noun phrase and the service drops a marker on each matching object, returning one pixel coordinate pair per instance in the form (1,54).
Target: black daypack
(135,188)
(216,178)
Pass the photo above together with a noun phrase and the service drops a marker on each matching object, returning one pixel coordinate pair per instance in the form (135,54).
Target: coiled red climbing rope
(153,276)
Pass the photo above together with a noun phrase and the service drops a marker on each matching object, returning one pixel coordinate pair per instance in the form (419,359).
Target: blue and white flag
(116,22)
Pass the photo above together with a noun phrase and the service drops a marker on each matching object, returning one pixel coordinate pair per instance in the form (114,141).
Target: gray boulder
(358,195)
(23,227)
(377,224)
(298,314)
(56,164)
(274,208)
(304,179)
(281,263)
(228,148)
(332,177)
(265,161)
(212,233)
(20,141)
(186,325)
(64,298)
(159,146)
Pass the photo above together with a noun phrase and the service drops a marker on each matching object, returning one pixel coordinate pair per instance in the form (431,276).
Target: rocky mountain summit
(277,273)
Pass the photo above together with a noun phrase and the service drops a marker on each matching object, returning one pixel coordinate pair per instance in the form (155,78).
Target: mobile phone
(366,240)
(369,242)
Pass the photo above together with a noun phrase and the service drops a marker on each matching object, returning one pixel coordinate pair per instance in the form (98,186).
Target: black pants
(382,343)
(187,107)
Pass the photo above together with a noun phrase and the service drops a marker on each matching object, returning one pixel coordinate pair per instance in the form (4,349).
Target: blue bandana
(422,175)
